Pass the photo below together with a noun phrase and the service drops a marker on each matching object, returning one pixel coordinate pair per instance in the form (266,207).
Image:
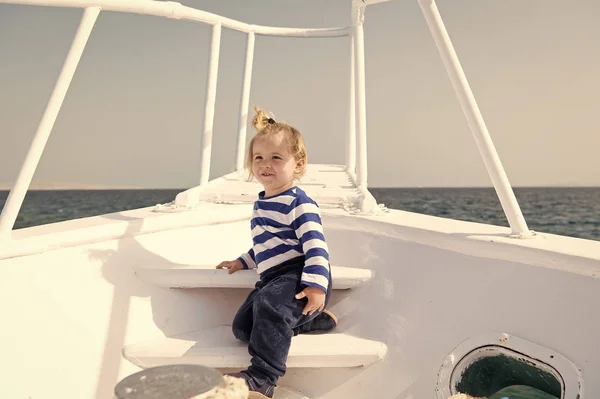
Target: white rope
(236,388)
(231,388)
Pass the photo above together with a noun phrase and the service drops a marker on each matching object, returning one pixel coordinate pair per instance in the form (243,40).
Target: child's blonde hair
(266,126)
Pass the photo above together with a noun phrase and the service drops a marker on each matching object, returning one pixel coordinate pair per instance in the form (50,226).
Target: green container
(521,392)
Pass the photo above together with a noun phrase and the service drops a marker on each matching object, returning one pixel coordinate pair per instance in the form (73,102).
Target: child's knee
(268,302)
(263,299)
(241,332)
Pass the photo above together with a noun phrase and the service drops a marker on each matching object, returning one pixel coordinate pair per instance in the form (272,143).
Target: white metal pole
(175,10)
(17,194)
(351,149)
(243,121)
(361,119)
(475,119)
(209,109)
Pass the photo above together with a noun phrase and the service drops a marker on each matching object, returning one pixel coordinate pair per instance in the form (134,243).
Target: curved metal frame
(172,9)
(356,154)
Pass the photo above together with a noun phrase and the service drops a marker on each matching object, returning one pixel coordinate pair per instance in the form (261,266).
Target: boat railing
(167,9)
(356,143)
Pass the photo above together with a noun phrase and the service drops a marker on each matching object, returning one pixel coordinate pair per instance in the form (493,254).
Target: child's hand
(316,299)
(232,266)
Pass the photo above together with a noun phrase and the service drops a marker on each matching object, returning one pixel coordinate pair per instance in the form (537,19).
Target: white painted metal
(216,347)
(209,108)
(473,114)
(361,101)
(351,141)
(244,103)
(360,3)
(172,9)
(175,275)
(17,194)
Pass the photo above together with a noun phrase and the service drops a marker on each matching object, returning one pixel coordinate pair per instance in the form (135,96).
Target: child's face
(272,163)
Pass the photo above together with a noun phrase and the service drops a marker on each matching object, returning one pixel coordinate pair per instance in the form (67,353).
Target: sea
(568,211)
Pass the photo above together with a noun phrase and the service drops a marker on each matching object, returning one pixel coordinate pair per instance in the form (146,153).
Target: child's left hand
(316,299)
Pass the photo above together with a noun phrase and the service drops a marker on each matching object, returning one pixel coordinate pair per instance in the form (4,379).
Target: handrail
(358,38)
(210,101)
(356,157)
(168,9)
(483,140)
(36,148)
(175,10)
(245,103)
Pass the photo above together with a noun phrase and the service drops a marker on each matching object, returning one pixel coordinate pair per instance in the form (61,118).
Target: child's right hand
(232,266)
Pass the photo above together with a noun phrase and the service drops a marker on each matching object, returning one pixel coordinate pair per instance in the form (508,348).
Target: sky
(133,116)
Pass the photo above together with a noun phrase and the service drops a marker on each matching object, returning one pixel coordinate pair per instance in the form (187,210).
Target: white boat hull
(70,312)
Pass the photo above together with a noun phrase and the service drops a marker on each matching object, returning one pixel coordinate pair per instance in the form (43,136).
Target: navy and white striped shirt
(286,226)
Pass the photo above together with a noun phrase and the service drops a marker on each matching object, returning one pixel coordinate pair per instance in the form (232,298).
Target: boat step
(216,347)
(195,276)
(285,393)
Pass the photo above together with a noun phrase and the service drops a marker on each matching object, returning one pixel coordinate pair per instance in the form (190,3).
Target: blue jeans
(271,316)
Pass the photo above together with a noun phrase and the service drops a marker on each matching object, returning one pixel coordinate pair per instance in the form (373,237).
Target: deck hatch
(499,365)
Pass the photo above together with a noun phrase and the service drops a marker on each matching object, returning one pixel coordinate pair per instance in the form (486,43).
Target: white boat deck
(229,198)
(329,185)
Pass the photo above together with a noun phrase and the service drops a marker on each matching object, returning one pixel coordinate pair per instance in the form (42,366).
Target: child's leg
(242,322)
(276,312)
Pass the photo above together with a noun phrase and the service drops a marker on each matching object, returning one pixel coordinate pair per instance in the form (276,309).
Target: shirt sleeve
(248,260)
(307,224)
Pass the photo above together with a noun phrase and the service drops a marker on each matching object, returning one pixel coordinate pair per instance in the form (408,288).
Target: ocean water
(572,211)
(569,211)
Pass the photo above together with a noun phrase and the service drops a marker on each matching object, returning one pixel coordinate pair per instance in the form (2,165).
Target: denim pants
(271,316)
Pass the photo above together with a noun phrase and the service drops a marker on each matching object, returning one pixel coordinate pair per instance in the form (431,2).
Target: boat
(428,307)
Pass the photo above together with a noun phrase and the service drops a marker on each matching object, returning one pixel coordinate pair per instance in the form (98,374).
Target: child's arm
(309,230)
(245,261)
(248,260)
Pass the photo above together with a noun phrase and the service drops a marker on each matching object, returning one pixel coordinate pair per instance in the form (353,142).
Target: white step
(217,348)
(171,275)
(285,393)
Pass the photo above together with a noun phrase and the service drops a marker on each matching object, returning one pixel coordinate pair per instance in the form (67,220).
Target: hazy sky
(134,113)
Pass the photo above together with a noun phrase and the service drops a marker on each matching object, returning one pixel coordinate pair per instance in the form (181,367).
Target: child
(289,253)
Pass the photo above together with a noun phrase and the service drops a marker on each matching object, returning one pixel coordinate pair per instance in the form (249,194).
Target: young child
(290,254)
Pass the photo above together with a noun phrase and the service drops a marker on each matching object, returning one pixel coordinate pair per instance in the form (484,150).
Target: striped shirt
(286,226)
